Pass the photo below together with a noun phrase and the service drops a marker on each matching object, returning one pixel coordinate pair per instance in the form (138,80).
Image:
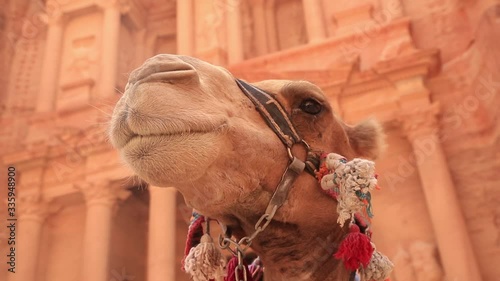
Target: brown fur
(366,138)
(185,123)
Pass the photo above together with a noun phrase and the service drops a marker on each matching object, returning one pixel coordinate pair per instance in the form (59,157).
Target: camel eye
(311,106)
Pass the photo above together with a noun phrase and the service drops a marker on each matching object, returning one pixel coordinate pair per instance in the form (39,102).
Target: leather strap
(273,112)
(278,120)
(281,192)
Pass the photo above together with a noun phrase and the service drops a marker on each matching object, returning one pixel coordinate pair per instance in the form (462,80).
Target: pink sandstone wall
(373,58)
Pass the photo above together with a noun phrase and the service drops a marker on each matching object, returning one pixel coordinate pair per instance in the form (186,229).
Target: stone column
(110,46)
(51,64)
(185,27)
(234,32)
(315,25)
(271,28)
(259,22)
(99,199)
(161,239)
(31,213)
(455,248)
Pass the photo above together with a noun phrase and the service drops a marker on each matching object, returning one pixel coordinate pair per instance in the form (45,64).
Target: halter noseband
(278,120)
(272,111)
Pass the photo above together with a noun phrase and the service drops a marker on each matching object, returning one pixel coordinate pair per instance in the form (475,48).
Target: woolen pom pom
(355,250)
(379,268)
(205,262)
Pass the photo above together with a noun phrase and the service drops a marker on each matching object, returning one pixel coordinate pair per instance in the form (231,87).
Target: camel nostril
(163,68)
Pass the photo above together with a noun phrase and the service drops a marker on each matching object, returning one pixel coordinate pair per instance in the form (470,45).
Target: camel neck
(301,257)
(300,241)
(289,252)
(327,271)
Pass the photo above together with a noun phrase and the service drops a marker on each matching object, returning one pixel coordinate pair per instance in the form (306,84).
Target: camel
(185,123)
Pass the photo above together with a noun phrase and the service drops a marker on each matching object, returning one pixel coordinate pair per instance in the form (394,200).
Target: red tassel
(231,267)
(256,269)
(195,233)
(355,250)
(323,170)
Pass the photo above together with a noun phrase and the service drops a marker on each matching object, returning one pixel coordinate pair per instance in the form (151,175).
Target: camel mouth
(174,157)
(129,123)
(141,146)
(174,133)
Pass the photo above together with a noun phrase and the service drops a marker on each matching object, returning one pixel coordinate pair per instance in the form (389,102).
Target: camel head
(185,123)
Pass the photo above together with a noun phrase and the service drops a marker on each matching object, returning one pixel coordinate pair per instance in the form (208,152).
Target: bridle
(356,250)
(347,182)
(278,120)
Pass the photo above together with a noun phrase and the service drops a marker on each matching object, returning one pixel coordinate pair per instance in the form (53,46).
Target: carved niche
(80,60)
(290,33)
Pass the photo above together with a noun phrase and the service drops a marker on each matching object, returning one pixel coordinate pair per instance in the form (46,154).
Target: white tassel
(379,268)
(350,177)
(205,261)
(351,183)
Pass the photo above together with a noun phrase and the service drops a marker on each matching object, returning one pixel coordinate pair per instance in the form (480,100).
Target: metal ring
(245,241)
(225,243)
(289,149)
(243,269)
(240,258)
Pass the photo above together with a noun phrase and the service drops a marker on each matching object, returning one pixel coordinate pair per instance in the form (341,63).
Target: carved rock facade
(436,90)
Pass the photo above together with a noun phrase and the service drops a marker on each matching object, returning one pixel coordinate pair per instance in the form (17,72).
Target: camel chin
(166,160)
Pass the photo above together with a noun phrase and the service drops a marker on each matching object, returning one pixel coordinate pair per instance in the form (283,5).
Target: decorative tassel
(256,269)
(205,262)
(355,250)
(379,268)
(231,271)
(195,233)
(350,183)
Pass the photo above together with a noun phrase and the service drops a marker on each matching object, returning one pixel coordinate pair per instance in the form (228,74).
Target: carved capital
(391,9)
(102,193)
(31,208)
(53,13)
(420,122)
(98,193)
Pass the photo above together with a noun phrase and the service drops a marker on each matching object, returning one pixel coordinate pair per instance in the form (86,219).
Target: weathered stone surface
(382,59)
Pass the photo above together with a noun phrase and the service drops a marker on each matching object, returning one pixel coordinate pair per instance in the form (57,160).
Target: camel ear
(366,139)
